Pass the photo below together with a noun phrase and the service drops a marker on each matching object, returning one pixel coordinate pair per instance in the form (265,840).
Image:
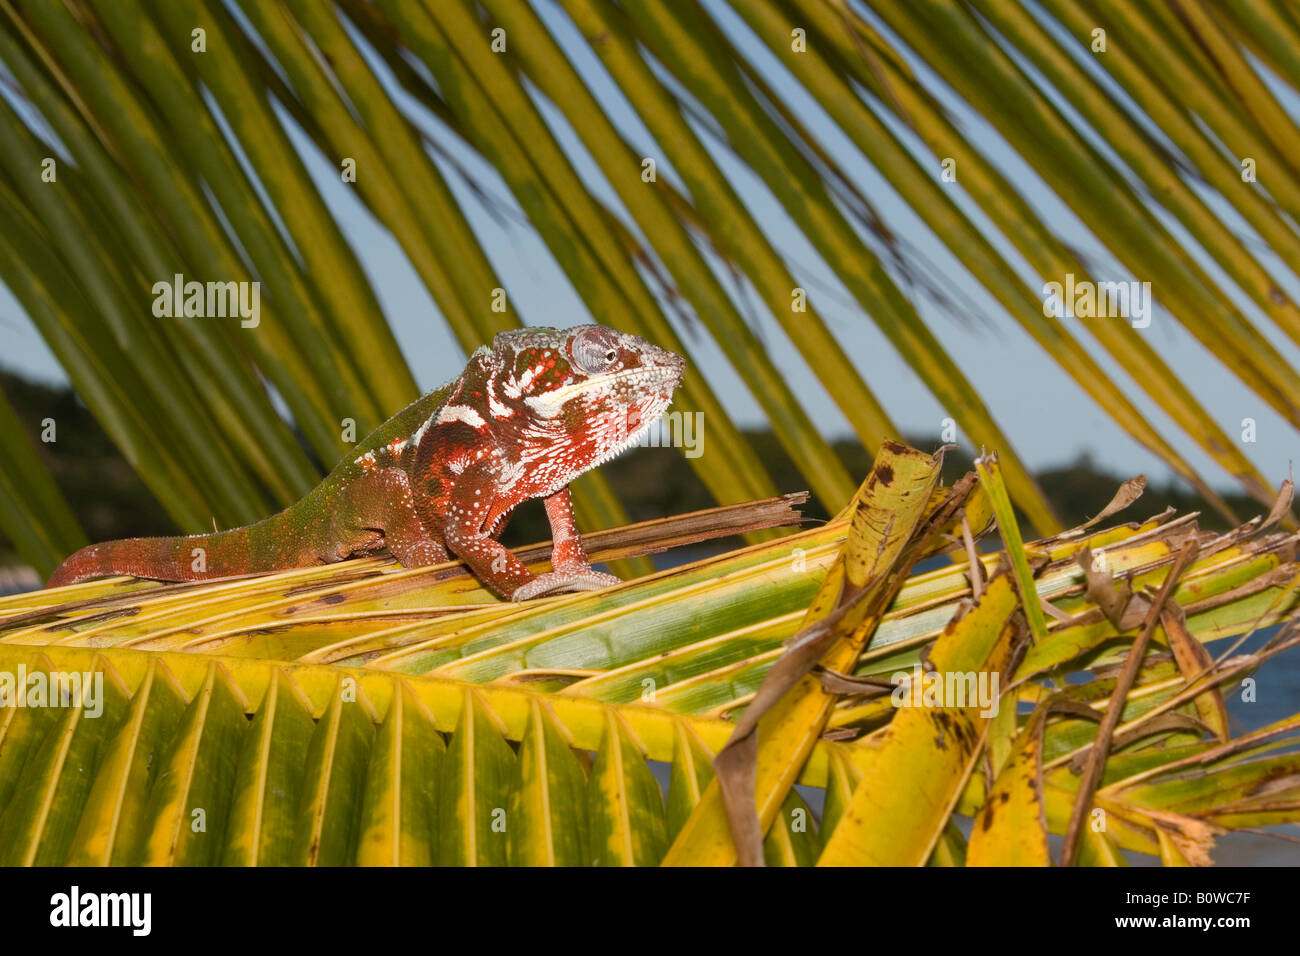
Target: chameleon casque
(442,476)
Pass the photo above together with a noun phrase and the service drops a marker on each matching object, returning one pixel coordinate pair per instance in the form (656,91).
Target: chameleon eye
(593,350)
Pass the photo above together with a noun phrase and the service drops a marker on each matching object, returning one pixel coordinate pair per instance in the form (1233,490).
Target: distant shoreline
(17,579)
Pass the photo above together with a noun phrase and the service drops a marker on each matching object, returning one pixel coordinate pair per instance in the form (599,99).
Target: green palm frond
(362,713)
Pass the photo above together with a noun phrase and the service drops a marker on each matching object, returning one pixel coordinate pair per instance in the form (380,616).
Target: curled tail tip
(61,577)
(77,567)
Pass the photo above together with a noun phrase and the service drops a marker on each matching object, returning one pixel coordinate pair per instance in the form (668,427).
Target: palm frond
(362,713)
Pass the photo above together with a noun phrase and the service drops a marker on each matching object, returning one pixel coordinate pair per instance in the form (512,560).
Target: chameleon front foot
(553,582)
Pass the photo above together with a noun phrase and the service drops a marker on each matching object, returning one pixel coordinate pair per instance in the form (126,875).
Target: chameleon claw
(554,581)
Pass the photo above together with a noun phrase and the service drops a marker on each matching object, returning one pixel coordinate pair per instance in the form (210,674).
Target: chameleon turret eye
(594,350)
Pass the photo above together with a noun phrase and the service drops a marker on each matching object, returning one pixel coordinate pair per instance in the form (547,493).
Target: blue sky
(1048,419)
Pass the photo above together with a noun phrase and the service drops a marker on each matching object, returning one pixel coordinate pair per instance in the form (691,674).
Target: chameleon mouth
(660,381)
(657,381)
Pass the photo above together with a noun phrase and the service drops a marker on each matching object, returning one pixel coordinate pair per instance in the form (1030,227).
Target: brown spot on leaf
(943,724)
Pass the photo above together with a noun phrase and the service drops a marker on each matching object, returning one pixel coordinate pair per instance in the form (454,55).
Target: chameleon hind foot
(553,582)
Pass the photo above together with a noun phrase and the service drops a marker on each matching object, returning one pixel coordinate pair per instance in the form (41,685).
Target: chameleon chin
(442,476)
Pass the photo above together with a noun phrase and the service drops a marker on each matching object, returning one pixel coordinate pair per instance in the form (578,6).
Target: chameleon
(441,477)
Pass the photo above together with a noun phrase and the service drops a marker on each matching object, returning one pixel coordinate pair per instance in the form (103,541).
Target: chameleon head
(579,396)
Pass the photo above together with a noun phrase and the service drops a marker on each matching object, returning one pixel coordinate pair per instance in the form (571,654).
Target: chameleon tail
(184,558)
